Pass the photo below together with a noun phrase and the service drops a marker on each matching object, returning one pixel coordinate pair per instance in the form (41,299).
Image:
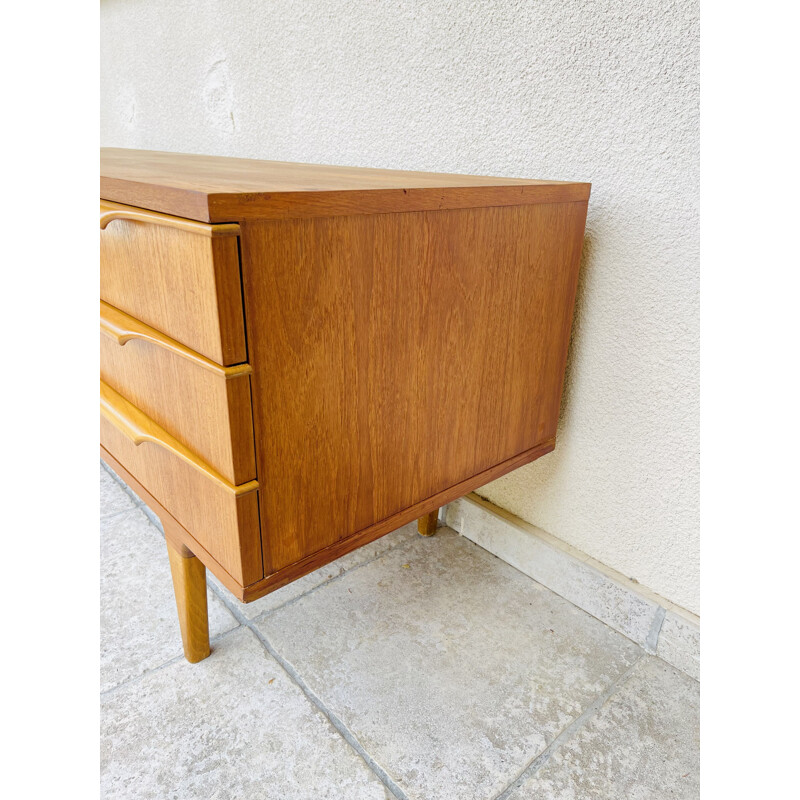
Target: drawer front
(179,276)
(222,517)
(203,405)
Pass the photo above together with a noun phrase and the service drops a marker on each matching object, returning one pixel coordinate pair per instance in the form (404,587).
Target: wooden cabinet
(298,359)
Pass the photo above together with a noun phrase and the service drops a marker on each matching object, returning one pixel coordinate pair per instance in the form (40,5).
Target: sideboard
(298,359)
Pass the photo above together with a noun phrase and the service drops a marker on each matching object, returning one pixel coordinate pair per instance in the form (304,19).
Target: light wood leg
(427,525)
(189,582)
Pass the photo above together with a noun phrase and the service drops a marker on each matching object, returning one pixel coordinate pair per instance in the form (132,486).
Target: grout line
(334,720)
(568,732)
(169,662)
(135,678)
(114,514)
(118,514)
(654,634)
(220,636)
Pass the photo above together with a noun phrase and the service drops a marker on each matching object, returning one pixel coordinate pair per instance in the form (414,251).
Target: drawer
(179,276)
(202,404)
(221,516)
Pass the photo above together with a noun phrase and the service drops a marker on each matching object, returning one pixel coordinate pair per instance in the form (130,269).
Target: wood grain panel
(184,284)
(205,406)
(222,518)
(397,355)
(215,189)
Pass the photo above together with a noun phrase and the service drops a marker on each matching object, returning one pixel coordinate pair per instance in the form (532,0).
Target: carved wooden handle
(110,211)
(139,428)
(122,327)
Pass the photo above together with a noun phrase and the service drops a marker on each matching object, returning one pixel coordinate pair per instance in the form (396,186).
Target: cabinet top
(218,189)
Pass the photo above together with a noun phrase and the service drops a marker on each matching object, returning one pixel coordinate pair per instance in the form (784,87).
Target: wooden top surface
(219,189)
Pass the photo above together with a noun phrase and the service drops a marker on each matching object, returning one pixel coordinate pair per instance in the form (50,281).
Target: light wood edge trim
(110,211)
(121,328)
(139,428)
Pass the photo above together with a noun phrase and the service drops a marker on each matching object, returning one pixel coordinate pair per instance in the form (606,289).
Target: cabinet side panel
(351,324)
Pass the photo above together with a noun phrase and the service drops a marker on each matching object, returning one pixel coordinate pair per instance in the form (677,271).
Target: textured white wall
(603,91)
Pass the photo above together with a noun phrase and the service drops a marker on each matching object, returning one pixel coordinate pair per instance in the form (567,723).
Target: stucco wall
(571,89)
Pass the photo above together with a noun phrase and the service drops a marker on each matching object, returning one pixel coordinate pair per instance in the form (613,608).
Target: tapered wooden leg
(427,525)
(189,582)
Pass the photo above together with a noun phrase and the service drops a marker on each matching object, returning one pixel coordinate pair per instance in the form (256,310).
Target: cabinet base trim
(308,564)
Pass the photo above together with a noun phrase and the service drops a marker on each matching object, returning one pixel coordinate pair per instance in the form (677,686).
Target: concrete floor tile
(233,726)
(336,568)
(451,668)
(113,497)
(643,744)
(138,621)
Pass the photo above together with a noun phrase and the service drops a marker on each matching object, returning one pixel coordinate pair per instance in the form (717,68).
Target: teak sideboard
(298,359)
